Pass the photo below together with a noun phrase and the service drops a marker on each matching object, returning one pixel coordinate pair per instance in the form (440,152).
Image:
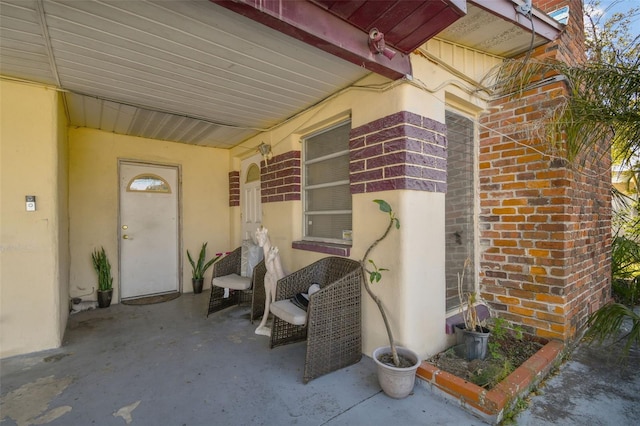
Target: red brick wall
(234,189)
(280,178)
(544,223)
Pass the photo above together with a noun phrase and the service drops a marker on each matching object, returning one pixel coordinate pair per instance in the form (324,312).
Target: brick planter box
(490,405)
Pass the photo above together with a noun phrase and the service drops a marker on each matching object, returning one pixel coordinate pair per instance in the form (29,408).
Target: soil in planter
(388,360)
(505,354)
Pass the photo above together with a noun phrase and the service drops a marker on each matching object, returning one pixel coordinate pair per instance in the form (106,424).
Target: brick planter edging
(491,405)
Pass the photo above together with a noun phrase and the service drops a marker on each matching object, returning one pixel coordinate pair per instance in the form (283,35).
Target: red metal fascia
(313,25)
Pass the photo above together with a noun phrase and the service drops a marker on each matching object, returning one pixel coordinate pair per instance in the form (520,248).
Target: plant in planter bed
(396,366)
(476,335)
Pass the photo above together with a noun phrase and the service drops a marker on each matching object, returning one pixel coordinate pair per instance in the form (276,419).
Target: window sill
(450,323)
(326,248)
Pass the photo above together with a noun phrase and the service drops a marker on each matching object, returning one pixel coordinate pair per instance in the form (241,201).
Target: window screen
(327,195)
(459,205)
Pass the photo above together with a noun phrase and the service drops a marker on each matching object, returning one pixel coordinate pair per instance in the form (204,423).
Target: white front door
(148,230)
(250,201)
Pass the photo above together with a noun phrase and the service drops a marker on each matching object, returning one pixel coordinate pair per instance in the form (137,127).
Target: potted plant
(396,366)
(105,280)
(199,268)
(475,334)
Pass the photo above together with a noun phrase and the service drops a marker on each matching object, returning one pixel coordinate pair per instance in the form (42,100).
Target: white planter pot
(396,382)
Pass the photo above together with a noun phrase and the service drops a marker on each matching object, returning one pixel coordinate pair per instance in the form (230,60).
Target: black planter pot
(476,343)
(104,298)
(197,285)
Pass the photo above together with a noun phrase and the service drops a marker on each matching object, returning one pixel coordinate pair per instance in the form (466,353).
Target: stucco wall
(413,291)
(62,201)
(33,245)
(93,199)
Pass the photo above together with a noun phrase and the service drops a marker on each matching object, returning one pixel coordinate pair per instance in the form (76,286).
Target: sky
(622,6)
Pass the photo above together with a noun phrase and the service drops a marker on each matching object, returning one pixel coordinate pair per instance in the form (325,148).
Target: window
(148,183)
(326,191)
(459,205)
(253,174)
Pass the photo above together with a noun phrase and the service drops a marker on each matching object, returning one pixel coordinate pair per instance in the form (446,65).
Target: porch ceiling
(193,71)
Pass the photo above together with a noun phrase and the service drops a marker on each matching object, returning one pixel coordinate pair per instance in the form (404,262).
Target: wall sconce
(377,44)
(265,151)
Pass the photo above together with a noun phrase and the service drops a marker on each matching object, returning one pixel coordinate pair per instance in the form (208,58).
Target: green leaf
(384,206)
(375,276)
(397,223)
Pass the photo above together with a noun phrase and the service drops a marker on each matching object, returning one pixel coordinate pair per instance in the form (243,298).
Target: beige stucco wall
(33,245)
(93,199)
(413,291)
(62,200)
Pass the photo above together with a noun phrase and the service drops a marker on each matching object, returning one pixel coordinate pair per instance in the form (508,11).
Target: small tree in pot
(396,365)
(105,280)
(199,268)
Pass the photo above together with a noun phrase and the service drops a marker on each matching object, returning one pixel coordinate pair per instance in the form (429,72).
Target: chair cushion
(233,281)
(287,311)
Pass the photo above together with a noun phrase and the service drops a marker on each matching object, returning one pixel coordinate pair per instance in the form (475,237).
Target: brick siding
(400,151)
(234,189)
(280,178)
(544,224)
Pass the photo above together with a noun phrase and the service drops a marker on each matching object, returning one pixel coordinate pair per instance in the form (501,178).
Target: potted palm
(199,267)
(105,280)
(396,366)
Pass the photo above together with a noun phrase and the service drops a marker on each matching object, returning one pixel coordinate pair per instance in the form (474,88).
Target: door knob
(125,237)
(125,227)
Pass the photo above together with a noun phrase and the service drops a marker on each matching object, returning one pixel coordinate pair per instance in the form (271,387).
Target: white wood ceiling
(179,70)
(191,71)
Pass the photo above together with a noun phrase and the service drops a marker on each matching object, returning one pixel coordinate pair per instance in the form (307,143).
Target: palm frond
(600,107)
(608,321)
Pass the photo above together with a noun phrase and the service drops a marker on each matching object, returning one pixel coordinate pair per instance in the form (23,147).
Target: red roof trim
(310,23)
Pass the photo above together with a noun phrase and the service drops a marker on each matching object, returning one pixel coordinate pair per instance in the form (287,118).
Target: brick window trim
(321,247)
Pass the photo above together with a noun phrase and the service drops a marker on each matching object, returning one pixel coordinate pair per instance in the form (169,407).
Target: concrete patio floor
(167,364)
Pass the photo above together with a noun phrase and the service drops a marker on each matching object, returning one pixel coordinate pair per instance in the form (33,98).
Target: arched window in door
(253,174)
(148,183)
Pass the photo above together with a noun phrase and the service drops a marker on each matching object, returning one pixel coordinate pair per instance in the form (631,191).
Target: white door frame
(178,167)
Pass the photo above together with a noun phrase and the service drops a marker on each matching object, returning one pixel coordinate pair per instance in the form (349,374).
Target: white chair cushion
(287,311)
(233,281)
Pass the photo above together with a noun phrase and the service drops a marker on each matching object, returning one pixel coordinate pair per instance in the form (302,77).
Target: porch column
(401,158)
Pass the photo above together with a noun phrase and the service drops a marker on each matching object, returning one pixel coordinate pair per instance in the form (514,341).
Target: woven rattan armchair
(231,265)
(333,327)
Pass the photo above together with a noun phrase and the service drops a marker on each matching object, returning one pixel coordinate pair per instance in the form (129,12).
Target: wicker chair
(253,294)
(333,326)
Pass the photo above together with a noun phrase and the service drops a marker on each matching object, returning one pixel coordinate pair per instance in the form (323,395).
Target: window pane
(253,174)
(326,185)
(328,226)
(459,205)
(330,170)
(330,198)
(148,183)
(329,142)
